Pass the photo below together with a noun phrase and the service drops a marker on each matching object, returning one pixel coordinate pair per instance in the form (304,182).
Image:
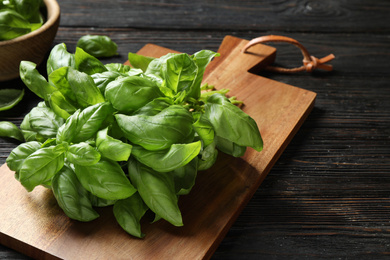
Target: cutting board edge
(24,247)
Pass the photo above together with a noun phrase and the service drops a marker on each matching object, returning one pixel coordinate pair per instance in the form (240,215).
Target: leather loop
(310,63)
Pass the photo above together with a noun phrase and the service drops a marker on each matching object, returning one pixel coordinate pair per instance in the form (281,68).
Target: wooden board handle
(310,63)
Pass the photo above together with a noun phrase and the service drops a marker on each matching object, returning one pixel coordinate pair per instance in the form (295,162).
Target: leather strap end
(310,63)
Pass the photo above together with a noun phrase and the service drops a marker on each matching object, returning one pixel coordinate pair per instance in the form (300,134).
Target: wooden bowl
(32,46)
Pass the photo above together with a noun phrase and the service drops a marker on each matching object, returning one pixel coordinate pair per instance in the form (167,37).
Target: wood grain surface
(327,197)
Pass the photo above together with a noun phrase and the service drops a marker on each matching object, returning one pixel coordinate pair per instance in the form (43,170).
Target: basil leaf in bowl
(10,97)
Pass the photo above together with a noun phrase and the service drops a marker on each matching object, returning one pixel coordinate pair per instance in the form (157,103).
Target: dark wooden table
(328,196)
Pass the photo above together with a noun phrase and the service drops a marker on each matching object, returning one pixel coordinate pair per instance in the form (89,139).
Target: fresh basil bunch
(131,137)
(19,17)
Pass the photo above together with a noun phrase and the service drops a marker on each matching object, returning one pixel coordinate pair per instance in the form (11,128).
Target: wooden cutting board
(33,224)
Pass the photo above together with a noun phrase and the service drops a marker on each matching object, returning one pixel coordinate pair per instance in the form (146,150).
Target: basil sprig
(132,137)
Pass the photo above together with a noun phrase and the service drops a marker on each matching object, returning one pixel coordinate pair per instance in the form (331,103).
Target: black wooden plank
(297,242)
(291,15)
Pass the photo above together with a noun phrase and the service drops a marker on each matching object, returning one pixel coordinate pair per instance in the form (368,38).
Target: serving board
(34,225)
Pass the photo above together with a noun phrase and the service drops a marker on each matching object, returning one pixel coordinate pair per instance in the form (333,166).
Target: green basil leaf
(103,79)
(175,157)
(35,26)
(12,24)
(202,59)
(27,8)
(84,88)
(32,136)
(39,167)
(34,80)
(138,72)
(60,105)
(208,156)
(82,154)
(98,45)
(155,66)
(128,213)
(112,148)
(59,57)
(154,107)
(204,129)
(78,89)
(49,142)
(68,131)
(28,133)
(157,191)
(131,93)
(231,123)
(36,20)
(71,196)
(59,79)
(105,179)
(87,63)
(139,61)
(118,67)
(83,125)
(8,129)
(229,147)
(179,72)
(156,218)
(20,153)
(171,126)
(43,121)
(185,177)
(10,97)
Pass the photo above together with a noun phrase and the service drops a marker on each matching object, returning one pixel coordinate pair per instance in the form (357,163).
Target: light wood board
(33,224)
